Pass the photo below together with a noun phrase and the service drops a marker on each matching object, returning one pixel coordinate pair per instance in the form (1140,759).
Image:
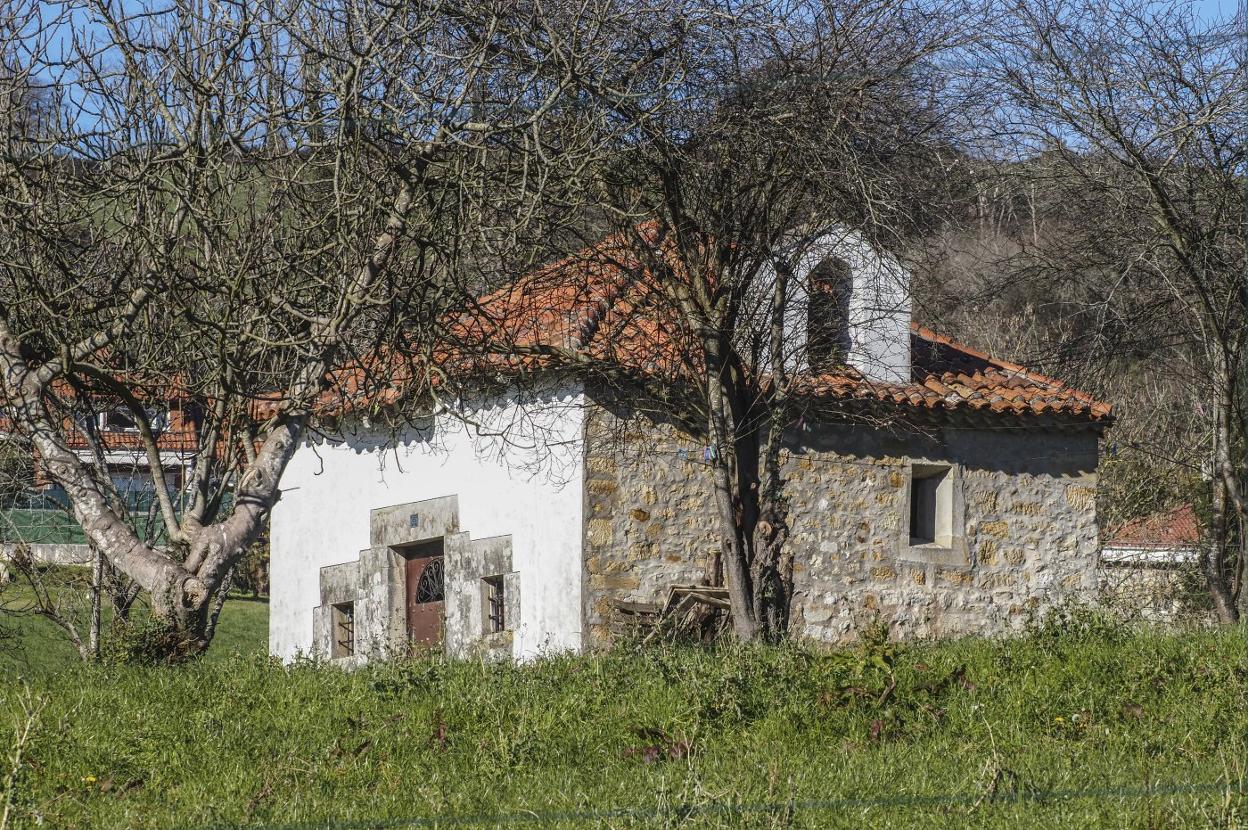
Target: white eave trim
(1116,555)
(135,457)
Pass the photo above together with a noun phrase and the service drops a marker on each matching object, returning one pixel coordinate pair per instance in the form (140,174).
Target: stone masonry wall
(1171,593)
(1025,535)
(649,520)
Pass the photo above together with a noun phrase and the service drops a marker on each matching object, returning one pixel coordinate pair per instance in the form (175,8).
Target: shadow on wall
(1010,450)
(532,433)
(1010,447)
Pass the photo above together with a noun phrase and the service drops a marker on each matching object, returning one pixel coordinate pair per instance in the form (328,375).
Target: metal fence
(44,518)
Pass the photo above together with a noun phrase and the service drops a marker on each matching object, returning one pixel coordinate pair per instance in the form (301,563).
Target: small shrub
(142,640)
(1072,622)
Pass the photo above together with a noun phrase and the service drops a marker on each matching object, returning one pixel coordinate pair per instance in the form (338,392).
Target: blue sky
(1205,9)
(1214,8)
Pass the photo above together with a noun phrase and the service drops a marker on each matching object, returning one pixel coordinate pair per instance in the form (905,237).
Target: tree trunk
(218,604)
(97,590)
(181,592)
(1214,563)
(736,569)
(774,580)
(1241,569)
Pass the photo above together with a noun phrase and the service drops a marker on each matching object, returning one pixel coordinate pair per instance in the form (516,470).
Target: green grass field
(36,646)
(1078,724)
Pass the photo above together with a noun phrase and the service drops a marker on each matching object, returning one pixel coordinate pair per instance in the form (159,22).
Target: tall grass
(1076,724)
(32,645)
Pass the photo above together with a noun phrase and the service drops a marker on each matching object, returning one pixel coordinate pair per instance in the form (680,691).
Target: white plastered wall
(879,303)
(517,469)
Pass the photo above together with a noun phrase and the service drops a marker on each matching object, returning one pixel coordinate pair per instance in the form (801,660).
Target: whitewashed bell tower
(849,303)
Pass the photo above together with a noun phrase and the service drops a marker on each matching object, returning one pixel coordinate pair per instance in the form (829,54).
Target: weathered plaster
(375,584)
(467,565)
(375,581)
(515,466)
(879,304)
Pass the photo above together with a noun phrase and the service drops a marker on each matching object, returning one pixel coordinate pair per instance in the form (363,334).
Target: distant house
(33,508)
(529,517)
(1168,538)
(1150,566)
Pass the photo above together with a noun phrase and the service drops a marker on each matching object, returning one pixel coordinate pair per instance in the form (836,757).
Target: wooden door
(426,599)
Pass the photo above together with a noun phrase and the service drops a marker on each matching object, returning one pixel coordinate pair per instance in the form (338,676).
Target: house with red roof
(1168,537)
(930,486)
(1150,567)
(34,509)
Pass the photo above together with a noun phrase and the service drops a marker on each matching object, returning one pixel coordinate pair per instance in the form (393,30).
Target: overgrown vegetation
(311,221)
(1079,723)
(32,645)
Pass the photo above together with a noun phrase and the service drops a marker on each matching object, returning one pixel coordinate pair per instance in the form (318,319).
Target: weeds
(29,708)
(970,732)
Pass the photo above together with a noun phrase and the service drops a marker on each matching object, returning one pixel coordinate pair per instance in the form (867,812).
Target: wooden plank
(629,607)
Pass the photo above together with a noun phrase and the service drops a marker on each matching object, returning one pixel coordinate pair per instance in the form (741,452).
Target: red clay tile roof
(179,434)
(601,303)
(1174,528)
(946,375)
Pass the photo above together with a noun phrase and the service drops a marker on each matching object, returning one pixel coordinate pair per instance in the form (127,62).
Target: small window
(931,506)
(827,316)
(118,420)
(343,620)
(495,605)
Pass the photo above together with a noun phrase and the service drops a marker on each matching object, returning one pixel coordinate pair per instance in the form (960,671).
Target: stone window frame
(342,615)
(339,586)
(955,553)
(934,512)
(494,616)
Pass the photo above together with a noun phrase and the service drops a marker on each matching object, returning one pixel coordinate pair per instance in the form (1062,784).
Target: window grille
(495,605)
(343,630)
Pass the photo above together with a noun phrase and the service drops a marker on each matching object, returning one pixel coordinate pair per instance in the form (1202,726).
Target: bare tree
(227,203)
(773,123)
(1128,116)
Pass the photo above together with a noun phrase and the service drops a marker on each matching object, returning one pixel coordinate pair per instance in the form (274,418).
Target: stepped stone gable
(374,585)
(467,561)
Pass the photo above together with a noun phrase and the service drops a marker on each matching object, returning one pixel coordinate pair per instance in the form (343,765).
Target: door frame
(433,548)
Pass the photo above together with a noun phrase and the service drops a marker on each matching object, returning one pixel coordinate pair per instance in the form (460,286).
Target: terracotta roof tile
(980,382)
(602,304)
(1177,527)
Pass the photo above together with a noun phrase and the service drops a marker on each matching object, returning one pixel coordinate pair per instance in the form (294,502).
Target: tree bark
(218,603)
(1214,563)
(91,509)
(771,531)
(97,590)
(736,569)
(181,591)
